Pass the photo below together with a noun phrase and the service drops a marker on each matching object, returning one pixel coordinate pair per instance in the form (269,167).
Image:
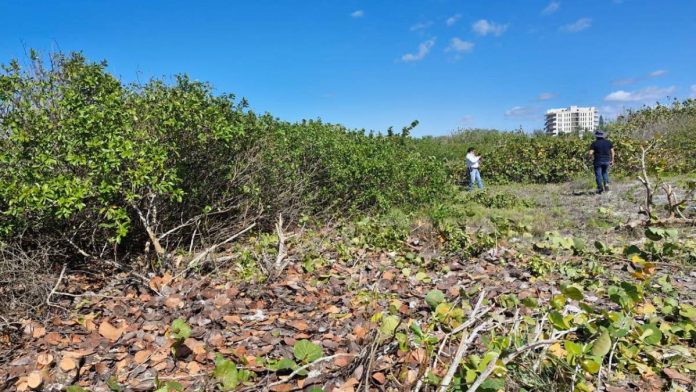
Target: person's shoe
(599,191)
(606,187)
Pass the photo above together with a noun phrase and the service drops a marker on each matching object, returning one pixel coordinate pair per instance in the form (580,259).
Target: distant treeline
(539,158)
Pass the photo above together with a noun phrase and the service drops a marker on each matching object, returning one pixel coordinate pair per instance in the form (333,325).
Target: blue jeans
(601,172)
(475,176)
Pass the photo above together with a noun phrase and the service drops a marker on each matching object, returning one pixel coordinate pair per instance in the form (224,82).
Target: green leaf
(306,351)
(180,330)
(225,373)
(557,320)
(590,365)
(493,385)
(75,388)
(602,345)
(434,298)
(573,292)
(558,301)
(573,348)
(688,311)
(530,302)
(389,325)
(651,334)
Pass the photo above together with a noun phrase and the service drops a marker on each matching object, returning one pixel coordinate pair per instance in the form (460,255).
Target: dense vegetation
(87,160)
(510,157)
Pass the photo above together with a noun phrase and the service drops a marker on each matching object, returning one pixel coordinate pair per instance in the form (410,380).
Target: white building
(571,120)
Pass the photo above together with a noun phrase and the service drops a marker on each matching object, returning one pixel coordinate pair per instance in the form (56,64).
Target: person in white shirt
(472,165)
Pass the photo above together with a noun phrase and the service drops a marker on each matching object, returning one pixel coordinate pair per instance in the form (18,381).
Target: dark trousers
(601,172)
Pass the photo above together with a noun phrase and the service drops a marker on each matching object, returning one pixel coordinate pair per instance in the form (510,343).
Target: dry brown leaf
(193,368)
(142,356)
(34,380)
(676,376)
(299,325)
(342,361)
(282,388)
(77,354)
(38,332)
(53,338)
(67,364)
(379,377)
(44,359)
(233,318)
(109,331)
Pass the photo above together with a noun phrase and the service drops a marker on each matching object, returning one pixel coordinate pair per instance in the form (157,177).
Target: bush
(92,162)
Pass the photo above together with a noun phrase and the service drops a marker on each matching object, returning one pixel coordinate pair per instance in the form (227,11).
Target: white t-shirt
(472,161)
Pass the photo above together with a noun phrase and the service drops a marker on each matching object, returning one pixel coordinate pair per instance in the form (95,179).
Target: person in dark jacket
(602,152)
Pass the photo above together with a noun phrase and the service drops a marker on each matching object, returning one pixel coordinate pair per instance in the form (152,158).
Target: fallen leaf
(67,364)
(342,361)
(109,331)
(34,380)
(676,376)
(38,332)
(142,356)
(299,325)
(282,388)
(53,338)
(379,377)
(44,359)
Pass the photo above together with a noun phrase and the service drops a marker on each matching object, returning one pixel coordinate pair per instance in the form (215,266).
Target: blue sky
(372,64)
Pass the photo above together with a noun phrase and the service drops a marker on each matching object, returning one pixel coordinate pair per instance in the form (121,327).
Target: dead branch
(55,287)
(194,262)
(305,367)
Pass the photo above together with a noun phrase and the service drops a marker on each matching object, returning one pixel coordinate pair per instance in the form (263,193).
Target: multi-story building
(571,120)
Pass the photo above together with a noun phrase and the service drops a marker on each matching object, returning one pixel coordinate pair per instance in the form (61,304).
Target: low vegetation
(162,237)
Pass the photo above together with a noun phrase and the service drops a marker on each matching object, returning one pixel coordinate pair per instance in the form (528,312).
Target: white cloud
(518,111)
(642,95)
(423,50)
(421,26)
(577,26)
(551,8)
(484,27)
(546,96)
(459,46)
(693,91)
(357,14)
(658,73)
(624,82)
(467,121)
(453,19)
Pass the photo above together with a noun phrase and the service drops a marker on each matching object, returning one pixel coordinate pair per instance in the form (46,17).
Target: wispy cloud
(642,95)
(577,26)
(551,8)
(519,111)
(423,50)
(452,20)
(546,96)
(357,14)
(421,26)
(627,81)
(459,46)
(485,27)
(624,82)
(467,121)
(693,91)
(657,73)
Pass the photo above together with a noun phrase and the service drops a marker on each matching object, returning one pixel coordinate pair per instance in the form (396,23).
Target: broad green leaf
(651,334)
(688,311)
(434,298)
(590,365)
(557,320)
(225,373)
(602,345)
(389,325)
(558,301)
(306,351)
(573,348)
(573,292)
(180,330)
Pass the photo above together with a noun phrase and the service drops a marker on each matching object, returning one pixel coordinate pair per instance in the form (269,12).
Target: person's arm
(612,156)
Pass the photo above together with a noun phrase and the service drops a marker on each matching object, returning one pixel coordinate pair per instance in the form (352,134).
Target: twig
(484,375)
(305,367)
(55,287)
(203,254)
